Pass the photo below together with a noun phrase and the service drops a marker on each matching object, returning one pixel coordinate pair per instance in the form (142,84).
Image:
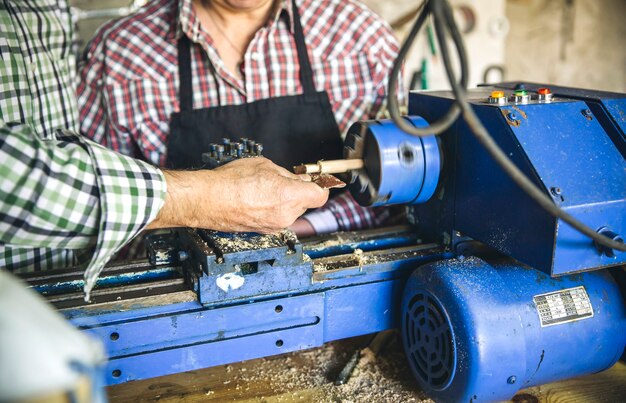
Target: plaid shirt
(129,81)
(59,193)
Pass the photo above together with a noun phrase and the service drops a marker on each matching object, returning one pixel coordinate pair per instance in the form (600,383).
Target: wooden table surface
(309,376)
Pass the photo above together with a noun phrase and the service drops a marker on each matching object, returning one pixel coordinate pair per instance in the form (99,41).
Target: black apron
(293,129)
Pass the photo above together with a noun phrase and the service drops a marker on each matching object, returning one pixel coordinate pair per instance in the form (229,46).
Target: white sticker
(563,306)
(229,281)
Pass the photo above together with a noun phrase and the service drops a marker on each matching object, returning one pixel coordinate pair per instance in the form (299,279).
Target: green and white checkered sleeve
(72,193)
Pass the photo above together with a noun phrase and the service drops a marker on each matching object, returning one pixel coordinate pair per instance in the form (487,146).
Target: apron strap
(306,72)
(184,74)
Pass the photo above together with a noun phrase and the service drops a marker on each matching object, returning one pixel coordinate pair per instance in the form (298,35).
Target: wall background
(578,43)
(571,42)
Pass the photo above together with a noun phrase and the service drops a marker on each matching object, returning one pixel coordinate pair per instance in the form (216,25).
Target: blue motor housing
(475,331)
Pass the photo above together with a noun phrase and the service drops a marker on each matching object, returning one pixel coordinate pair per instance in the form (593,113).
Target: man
(179,74)
(61,194)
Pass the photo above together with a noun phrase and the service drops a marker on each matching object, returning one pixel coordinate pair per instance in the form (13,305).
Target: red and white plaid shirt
(129,79)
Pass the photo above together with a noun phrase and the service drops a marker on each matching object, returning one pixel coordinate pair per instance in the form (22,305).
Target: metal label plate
(563,306)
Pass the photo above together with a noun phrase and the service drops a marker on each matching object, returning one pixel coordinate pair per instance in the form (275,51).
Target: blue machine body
(474,331)
(517,311)
(172,317)
(608,107)
(562,148)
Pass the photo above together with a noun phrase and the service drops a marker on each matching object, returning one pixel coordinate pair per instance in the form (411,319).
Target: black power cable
(392,100)
(444,24)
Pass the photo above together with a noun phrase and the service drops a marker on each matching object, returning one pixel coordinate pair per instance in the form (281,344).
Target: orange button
(497,94)
(543,91)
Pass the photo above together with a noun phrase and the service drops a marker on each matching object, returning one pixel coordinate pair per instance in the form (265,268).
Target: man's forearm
(181,201)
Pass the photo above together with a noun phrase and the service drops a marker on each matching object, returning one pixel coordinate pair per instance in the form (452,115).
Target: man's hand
(251,194)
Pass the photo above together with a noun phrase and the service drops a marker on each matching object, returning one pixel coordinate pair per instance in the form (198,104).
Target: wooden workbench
(309,376)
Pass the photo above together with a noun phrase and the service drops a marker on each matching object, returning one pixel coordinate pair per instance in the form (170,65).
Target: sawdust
(357,258)
(329,243)
(235,242)
(361,259)
(376,378)
(238,242)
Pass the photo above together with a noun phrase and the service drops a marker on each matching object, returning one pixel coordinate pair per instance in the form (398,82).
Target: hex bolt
(608,252)
(244,141)
(233,148)
(226,145)
(220,152)
(557,193)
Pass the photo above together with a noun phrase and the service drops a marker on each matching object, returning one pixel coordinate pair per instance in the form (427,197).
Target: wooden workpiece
(329,167)
(309,376)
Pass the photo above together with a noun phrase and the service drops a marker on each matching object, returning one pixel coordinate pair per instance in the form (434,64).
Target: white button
(255,56)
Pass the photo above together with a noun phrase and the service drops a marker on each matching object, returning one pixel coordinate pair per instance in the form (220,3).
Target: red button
(543,91)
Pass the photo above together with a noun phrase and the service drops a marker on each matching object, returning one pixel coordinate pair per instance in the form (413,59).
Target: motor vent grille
(429,341)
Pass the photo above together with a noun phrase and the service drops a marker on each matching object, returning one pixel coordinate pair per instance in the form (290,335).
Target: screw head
(512,116)
(512,379)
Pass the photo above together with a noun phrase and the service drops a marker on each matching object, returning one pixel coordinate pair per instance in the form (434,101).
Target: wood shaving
(327,181)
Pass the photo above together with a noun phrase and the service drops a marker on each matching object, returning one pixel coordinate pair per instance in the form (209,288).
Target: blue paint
(318,251)
(494,344)
(400,168)
(486,317)
(202,355)
(150,347)
(608,107)
(205,326)
(153,341)
(560,149)
(106,280)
